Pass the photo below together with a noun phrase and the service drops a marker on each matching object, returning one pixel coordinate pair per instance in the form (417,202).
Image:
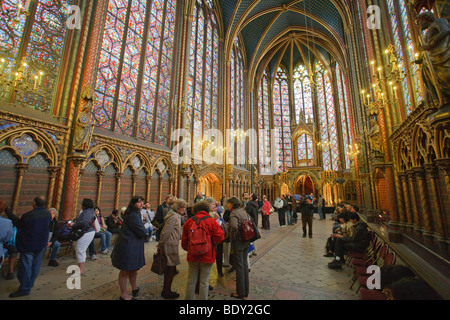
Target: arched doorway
(211,186)
(305,185)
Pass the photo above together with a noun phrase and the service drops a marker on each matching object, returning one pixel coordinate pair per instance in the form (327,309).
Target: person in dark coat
(252,208)
(307,210)
(32,240)
(128,253)
(359,240)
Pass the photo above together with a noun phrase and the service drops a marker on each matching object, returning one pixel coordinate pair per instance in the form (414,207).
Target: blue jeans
(105,241)
(150,230)
(55,249)
(29,267)
(320,210)
(290,216)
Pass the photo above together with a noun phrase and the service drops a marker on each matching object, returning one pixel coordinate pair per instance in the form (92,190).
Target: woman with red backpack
(201,233)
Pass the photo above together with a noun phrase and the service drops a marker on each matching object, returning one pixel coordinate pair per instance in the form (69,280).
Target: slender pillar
(437,212)
(21,169)
(51,187)
(100,175)
(148,180)
(424,201)
(412,191)
(70,195)
(117,195)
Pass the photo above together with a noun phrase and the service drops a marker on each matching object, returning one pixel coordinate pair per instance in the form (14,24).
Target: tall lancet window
(327,118)
(412,90)
(303,95)
(203,95)
(237,103)
(344,111)
(282,121)
(135,71)
(264,123)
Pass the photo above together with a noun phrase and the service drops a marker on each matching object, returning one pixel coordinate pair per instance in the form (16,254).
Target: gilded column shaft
(437,209)
(100,184)
(412,190)
(406,193)
(51,187)
(401,198)
(424,201)
(117,195)
(21,169)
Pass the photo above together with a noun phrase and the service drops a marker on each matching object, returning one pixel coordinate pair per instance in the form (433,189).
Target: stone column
(188,186)
(401,199)
(72,183)
(133,185)
(424,201)
(118,182)
(412,191)
(444,167)
(148,179)
(51,187)
(404,181)
(21,169)
(437,213)
(100,175)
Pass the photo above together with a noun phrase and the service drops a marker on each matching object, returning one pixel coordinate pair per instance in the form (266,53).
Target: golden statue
(376,146)
(436,72)
(83,125)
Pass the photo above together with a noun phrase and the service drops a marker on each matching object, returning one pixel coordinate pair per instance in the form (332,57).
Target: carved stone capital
(77,159)
(21,168)
(53,171)
(402,176)
(431,171)
(419,173)
(444,166)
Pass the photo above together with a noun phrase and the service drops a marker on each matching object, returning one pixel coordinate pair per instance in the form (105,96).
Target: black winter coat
(128,252)
(252,210)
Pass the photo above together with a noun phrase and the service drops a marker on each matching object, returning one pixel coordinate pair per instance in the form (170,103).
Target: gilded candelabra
(389,76)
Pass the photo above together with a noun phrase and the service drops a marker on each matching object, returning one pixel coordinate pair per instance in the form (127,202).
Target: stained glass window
(410,53)
(305,150)
(39,44)
(135,68)
(237,108)
(203,95)
(282,123)
(344,112)
(327,116)
(303,95)
(405,53)
(264,122)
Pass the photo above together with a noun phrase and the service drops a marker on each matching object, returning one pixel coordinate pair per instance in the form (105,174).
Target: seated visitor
(357,242)
(114,222)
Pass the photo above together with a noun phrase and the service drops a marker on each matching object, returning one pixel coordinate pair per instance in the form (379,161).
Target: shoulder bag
(159,263)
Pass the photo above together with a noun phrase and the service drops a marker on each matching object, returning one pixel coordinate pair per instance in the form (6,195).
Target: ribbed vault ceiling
(286,32)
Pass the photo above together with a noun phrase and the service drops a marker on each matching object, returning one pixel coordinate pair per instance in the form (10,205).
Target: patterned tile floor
(286,267)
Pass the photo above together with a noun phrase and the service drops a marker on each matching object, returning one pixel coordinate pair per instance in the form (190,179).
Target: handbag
(159,263)
(257,233)
(76,234)
(247,229)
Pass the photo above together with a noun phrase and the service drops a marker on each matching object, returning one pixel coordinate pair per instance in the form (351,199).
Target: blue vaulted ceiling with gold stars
(286,32)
